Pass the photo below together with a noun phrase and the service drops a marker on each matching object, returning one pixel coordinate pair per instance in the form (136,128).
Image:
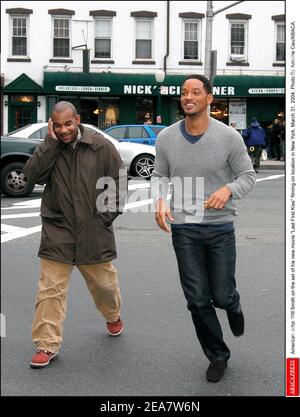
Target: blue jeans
(206,260)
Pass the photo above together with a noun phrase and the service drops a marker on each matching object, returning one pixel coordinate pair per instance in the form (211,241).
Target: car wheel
(143,166)
(14,182)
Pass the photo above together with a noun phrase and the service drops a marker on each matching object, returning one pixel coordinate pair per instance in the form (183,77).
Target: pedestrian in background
(268,131)
(148,120)
(275,139)
(200,147)
(255,140)
(70,161)
(282,139)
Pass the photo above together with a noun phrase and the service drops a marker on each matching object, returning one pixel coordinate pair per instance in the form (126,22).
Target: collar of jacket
(91,138)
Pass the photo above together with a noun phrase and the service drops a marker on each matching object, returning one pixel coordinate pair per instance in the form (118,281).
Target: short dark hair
(206,83)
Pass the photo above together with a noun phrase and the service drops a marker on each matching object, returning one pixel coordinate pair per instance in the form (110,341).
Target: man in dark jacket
(255,140)
(78,167)
(277,131)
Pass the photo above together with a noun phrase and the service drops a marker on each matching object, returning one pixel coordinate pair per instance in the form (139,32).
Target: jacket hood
(255,124)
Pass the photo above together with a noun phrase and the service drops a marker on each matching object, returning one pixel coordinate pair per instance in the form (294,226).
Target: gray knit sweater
(196,170)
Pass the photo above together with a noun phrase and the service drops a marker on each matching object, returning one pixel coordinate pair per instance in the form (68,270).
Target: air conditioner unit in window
(238,58)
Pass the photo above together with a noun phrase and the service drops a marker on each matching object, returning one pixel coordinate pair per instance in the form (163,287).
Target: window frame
(277,23)
(104,18)
(61,17)
(18,16)
(145,19)
(199,40)
(244,57)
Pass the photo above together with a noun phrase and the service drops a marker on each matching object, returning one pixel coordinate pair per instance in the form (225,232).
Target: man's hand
(51,130)
(218,199)
(162,212)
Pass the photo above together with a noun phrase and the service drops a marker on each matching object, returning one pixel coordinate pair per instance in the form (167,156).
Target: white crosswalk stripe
(10,232)
(20,233)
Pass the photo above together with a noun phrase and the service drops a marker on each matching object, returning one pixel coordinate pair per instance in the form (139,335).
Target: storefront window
(144,110)
(102,112)
(88,110)
(176,112)
(238,114)
(109,112)
(22,99)
(219,110)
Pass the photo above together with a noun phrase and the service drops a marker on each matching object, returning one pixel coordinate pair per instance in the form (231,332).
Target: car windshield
(17,130)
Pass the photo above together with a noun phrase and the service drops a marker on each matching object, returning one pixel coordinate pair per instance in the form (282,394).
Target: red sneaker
(42,358)
(115,328)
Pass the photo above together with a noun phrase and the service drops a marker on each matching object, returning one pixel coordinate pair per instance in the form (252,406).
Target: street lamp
(159,77)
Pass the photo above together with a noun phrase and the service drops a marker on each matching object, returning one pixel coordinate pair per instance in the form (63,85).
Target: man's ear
(78,118)
(210,98)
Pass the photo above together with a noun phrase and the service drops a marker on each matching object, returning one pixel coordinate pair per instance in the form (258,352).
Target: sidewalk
(269,164)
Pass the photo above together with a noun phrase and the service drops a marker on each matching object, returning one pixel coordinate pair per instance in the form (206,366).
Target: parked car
(14,154)
(137,158)
(146,134)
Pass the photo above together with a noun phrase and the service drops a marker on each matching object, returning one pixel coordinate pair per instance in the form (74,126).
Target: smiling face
(194,98)
(65,125)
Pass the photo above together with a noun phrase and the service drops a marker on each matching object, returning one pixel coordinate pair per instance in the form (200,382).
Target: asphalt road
(158,354)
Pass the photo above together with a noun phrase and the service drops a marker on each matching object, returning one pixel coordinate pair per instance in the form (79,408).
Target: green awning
(249,85)
(99,83)
(23,85)
(111,84)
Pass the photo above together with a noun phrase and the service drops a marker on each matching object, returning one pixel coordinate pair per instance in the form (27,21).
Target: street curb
(266,165)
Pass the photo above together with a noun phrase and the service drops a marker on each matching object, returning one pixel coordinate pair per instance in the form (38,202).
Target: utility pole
(210,14)
(85,57)
(208,39)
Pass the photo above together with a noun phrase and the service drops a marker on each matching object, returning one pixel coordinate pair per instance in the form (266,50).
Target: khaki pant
(51,302)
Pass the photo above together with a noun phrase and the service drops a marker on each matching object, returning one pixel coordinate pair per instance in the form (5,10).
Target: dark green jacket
(74,229)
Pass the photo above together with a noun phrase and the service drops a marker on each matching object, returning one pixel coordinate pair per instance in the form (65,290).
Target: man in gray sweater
(209,168)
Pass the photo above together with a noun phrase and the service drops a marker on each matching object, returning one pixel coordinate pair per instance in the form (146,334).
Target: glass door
(22,111)
(22,116)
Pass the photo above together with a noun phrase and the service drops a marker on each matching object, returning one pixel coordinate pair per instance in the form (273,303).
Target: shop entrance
(22,116)
(22,112)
